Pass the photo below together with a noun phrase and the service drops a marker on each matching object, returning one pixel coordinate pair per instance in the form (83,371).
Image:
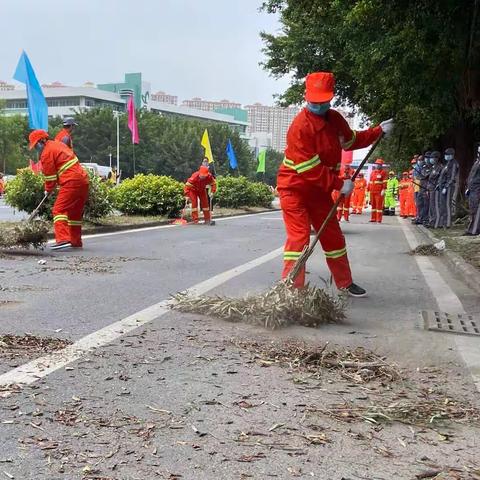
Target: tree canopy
(415,60)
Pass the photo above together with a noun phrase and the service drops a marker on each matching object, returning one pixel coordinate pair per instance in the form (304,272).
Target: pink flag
(132,120)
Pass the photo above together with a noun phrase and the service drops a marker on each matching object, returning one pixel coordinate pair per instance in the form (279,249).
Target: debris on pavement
(29,345)
(24,235)
(358,365)
(278,307)
(429,249)
(420,413)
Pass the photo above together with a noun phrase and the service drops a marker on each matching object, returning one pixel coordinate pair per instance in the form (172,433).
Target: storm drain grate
(450,323)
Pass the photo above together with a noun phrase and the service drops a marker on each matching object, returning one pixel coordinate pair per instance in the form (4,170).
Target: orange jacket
(65,137)
(60,165)
(360,185)
(199,184)
(2,185)
(404,185)
(314,150)
(378,181)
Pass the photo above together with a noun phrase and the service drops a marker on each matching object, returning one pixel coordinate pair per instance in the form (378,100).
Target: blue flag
(231,156)
(37,105)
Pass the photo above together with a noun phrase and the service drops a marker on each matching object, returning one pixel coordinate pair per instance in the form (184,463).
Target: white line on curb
(43,366)
(447,301)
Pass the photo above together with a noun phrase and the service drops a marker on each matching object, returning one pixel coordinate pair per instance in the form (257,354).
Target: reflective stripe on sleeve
(75,223)
(60,218)
(50,178)
(348,144)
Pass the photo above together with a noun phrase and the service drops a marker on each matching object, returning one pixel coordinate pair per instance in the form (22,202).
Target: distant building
(4,86)
(273,120)
(53,85)
(208,105)
(132,85)
(164,98)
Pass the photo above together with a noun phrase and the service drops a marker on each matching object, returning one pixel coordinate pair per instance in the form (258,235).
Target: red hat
(203,170)
(35,136)
(379,161)
(319,87)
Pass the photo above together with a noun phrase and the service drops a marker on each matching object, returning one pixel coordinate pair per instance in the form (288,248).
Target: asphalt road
(184,397)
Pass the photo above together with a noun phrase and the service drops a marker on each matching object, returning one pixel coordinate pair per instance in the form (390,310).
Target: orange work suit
(343,207)
(377,185)
(403,196)
(196,188)
(305,181)
(2,186)
(358,195)
(64,136)
(411,207)
(61,167)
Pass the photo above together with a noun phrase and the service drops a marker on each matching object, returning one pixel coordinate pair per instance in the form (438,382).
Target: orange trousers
(358,200)
(194,196)
(376,200)
(305,208)
(411,207)
(68,212)
(343,208)
(403,200)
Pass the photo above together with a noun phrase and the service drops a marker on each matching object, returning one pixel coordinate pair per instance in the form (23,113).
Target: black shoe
(355,291)
(60,246)
(467,234)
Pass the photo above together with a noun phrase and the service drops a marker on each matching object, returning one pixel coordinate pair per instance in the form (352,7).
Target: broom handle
(308,250)
(34,213)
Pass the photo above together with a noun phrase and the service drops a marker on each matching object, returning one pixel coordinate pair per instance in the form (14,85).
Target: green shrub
(236,192)
(149,195)
(25,192)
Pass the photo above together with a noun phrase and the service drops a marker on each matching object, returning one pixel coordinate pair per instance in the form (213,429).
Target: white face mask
(448,157)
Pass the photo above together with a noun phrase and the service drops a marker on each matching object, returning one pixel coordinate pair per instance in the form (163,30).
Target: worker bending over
(61,167)
(196,188)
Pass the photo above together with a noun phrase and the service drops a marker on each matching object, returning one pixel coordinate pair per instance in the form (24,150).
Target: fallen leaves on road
(358,365)
(24,234)
(420,413)
(426,249)
(280,306)
(30,345)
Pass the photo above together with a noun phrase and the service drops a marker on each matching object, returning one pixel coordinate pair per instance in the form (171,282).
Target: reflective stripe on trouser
(343,208)
(301,210)
(357,201)
(195,196)
(474,207)
(377,206)
(68,212)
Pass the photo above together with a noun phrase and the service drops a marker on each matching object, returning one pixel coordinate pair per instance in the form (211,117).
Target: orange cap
(379,161)
(413,161)
(203,170)
(35,136)
(319,87)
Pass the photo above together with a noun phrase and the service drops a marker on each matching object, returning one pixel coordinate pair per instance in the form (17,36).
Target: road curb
(121,228)
(456,263)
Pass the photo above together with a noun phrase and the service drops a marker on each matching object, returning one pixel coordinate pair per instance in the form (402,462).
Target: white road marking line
(41,367)
(447,301)
(160,227)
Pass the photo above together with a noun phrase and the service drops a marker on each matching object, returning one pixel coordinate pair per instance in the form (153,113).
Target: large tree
(416,60)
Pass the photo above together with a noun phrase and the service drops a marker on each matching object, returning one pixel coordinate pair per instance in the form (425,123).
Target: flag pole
(133,150)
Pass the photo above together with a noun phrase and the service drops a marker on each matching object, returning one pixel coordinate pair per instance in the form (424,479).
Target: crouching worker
(196,188)
(61,167)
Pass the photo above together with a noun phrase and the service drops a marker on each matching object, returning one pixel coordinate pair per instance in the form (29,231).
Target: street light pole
(118,143)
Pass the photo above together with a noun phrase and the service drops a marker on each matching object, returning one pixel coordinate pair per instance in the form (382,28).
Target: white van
(99,170)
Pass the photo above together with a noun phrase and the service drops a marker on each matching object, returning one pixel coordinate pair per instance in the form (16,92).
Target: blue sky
(209,49)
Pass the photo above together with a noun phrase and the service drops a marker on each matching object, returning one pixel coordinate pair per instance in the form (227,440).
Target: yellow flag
(206,145)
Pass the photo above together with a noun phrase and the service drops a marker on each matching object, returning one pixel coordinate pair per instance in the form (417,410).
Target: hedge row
(141,195)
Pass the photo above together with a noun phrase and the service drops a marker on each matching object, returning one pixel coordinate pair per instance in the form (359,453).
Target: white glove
(347,187)
(387,126)
(46,194)
(382,193)
(444,191)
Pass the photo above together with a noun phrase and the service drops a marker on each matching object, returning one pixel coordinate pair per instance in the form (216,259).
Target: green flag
(261,161)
